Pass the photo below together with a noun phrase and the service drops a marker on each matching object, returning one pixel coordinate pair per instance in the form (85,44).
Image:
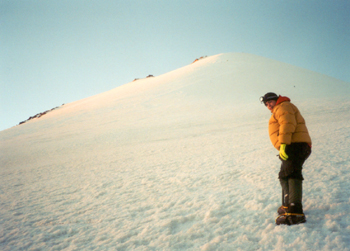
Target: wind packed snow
(181,161)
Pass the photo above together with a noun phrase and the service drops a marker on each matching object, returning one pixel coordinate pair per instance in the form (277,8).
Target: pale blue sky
(55,52)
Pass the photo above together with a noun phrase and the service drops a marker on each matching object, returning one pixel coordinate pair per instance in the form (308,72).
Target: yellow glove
(283,154)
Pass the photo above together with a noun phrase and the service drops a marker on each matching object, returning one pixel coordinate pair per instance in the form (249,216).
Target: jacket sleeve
(287,121)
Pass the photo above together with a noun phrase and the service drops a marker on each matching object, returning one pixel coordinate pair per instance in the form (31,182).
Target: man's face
(270,104)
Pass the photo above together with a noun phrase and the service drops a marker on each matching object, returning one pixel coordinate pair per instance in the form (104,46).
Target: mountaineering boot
(294,215)
(282,210)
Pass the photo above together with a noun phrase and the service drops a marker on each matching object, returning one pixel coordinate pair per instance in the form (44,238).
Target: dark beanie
(269,96)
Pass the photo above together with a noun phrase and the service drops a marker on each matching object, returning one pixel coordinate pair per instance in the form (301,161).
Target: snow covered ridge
(180,161)
(150,75)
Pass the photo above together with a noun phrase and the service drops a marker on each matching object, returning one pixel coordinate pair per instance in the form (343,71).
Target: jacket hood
(282,99)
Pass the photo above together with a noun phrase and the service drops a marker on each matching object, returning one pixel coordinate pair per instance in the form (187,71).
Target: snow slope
(181,161)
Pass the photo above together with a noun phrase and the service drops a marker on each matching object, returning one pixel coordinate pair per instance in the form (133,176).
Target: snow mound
(180,161)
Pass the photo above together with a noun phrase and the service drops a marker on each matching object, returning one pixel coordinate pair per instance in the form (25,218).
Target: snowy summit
(180,161)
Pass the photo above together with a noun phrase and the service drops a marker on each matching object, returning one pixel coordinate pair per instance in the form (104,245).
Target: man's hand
(283,154)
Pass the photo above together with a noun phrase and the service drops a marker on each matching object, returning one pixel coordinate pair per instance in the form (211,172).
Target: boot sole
(287,219)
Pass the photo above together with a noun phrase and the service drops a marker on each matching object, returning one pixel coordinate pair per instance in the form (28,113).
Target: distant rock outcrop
(149,76)
(197,59)
(38,115)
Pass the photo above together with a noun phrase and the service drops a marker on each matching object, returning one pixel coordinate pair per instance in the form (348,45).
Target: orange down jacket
(286,124)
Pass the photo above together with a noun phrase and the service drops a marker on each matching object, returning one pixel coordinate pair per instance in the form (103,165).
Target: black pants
(292,167)
(291,176)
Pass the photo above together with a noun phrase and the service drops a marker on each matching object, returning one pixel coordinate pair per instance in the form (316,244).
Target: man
(289,135)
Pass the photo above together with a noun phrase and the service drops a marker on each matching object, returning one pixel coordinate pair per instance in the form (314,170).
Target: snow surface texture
(181,161)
